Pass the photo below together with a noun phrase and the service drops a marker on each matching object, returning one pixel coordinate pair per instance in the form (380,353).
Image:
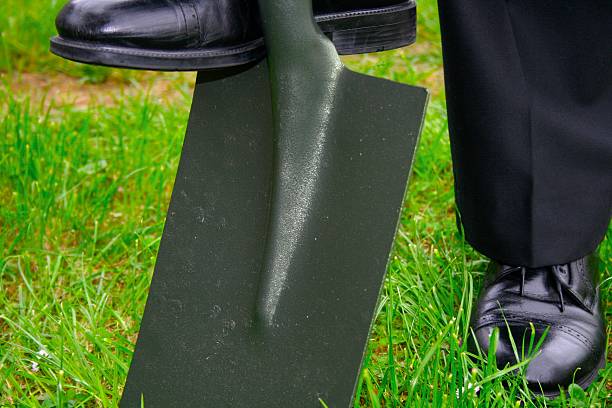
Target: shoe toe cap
(120,22)
(561,360)
(82,19)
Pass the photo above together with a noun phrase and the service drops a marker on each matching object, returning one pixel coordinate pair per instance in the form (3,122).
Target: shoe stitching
(409,5)
(547,318)
(490,320)
(497,310)
(180,6)
(201,33)
(191,20)
(580,338)
(253,45)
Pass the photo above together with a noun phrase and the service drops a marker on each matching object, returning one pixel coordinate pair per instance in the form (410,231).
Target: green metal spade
(279,230)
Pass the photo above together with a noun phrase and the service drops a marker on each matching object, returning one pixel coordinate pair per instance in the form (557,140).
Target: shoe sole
(354,32)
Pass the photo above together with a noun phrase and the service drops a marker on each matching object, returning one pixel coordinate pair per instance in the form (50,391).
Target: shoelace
(523,271)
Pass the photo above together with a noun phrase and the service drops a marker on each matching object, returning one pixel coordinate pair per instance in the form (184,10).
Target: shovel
(278,235)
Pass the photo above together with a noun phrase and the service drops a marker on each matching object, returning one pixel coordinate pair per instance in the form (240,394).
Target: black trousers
(529,94)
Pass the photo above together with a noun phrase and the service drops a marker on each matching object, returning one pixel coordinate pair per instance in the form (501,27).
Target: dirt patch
(61,89)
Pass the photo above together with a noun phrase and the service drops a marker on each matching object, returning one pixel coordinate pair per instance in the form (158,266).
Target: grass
(83,194)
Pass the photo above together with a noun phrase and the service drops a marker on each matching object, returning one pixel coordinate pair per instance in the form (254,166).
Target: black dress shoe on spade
(562,303)
(186,35)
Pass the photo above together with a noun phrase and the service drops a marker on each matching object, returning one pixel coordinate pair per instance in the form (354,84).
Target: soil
(61,89)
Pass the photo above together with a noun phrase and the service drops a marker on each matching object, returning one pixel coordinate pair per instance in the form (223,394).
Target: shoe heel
(373,30)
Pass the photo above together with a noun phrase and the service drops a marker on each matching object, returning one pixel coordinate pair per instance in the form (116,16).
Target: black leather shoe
(186,35)
(563,298)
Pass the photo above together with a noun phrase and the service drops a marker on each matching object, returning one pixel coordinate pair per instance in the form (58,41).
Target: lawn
(87,162)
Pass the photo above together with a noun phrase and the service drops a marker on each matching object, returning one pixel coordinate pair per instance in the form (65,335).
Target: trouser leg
(529,93)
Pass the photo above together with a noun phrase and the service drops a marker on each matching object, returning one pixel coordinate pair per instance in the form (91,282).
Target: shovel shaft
(305,72)
(287,21)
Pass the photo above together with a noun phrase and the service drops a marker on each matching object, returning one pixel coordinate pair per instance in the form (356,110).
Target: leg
(529,86)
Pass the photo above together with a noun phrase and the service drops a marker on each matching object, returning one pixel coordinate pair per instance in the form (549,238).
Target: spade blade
(201,342)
